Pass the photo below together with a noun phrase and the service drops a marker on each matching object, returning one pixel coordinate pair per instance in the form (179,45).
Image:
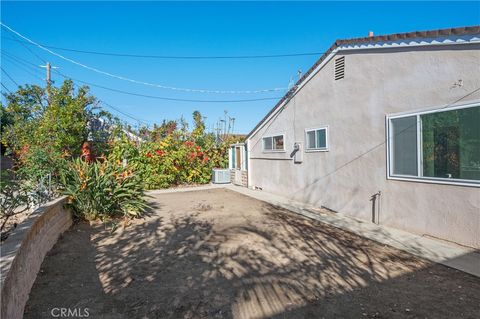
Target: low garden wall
(23,252)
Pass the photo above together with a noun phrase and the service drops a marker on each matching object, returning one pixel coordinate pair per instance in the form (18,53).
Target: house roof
(460,31)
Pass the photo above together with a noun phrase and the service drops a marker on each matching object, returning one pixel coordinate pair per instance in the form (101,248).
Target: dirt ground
(219,254)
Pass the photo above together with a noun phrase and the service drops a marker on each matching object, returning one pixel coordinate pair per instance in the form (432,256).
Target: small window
(274,143)
(316,139)
(439,145)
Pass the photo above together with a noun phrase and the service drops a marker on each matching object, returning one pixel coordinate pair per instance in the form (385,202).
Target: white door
(238,165)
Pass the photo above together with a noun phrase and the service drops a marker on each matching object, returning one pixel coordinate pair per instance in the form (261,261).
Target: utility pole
(225,124)
(229,125)
(48,68)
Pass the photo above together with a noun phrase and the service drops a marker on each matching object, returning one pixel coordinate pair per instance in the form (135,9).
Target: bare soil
(219,254)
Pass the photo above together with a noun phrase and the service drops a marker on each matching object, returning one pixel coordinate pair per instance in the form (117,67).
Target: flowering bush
(174,160)
(102,190)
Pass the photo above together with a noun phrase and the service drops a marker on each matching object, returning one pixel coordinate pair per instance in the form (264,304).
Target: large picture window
(442,145)
(274,143)
(316,139)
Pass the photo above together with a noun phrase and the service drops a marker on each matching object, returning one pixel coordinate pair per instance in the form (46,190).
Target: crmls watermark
(70,312)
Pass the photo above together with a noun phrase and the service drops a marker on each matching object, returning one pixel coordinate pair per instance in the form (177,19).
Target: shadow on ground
(218,254)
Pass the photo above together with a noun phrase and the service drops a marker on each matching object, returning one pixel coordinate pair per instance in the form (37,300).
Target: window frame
(273,150)
(420,177)
(327,144)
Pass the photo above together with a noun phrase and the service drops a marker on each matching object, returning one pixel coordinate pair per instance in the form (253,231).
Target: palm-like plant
(103,190)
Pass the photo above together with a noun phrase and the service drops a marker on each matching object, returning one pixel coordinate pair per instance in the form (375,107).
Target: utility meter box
(298,153)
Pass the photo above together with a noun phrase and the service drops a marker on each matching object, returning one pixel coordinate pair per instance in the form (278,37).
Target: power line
(141,82)
(166,98)
(19,65)
(18,58)
(8,75)
(29,64)
(119,111)
(23,43)
(125,113)
(33,66)
(180,57)
(3,85)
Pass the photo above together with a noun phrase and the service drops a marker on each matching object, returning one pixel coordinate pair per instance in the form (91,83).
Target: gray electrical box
(298,152)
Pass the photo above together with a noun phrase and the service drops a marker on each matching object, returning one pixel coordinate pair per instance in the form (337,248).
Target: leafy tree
(46,125)
(199,125)
(164,130)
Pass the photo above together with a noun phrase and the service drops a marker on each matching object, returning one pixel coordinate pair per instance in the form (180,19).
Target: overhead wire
(23,43)
(166,98)
(34,66)
(26,63)
(148,123)
(22,66)
(8,75)
(180,57)
(3,85)
(190,90)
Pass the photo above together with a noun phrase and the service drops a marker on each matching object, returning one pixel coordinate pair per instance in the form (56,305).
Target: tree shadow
(173,265)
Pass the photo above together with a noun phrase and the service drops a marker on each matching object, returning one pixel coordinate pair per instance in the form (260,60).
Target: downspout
(249,164)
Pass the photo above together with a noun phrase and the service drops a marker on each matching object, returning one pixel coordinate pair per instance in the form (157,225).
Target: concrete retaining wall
(23,253)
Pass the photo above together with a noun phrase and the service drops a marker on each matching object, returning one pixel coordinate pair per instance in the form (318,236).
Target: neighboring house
(100,130)
(385,129)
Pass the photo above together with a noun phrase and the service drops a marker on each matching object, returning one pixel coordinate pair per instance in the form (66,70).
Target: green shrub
(103,190)
(14,199)
(37,162)
(174,160)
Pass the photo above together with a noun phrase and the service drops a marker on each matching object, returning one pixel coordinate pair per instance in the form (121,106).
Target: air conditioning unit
(220,176)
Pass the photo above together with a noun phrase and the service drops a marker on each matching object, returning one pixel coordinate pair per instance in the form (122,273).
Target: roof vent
(370,34)
(339,68)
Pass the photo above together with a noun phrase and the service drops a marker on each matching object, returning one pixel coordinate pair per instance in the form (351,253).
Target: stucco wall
(377,83)
(23,253)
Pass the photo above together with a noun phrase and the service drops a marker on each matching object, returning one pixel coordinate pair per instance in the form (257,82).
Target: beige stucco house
(384,129)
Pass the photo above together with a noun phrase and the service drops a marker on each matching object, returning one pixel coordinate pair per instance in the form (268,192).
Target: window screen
(445,145)
(451,144)
(317,139)
(404,145)
(267,143)
(311,139)
(273,143)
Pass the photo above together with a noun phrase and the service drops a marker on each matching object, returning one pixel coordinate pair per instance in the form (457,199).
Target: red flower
(160,152)
(149,155)
(197,147)
(205,159)
(189,143)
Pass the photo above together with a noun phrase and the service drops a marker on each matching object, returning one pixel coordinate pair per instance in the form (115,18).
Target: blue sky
(202,29)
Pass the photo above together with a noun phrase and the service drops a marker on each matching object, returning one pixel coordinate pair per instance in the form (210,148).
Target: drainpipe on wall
(249,165)
(375,199)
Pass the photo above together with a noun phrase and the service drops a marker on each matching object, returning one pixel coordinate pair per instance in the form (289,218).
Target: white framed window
(440,146)
(316,140)
(274,143)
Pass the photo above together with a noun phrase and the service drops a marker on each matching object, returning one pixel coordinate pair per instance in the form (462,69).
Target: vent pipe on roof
(370,34)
